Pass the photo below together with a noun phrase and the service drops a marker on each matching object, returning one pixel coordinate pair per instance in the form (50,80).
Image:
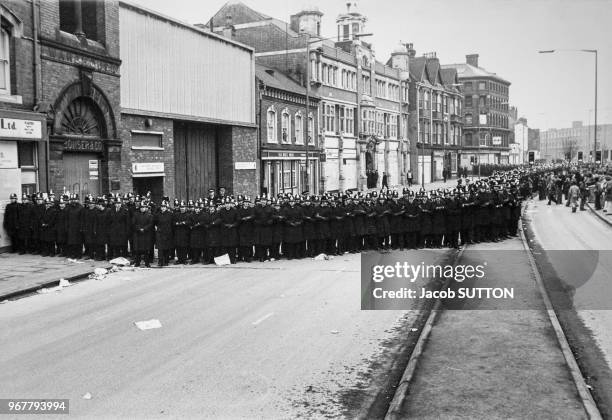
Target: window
(380,124)
(5,62)
(324,72)
(26,151)
(483,139)
(314,70)
(271,123)
(299,124)
(341,127)
(482,85)
(146,140)
(328,117)
(88,12)
(393,130)
(350,120)
(366,84)
(467,86)
(426,101)
(286,126)
(468,119)
(468,139)
(334,76)
(311,131)
(481,102)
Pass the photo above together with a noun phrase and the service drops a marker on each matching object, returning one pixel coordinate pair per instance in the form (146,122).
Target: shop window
(67,11)
(26,154)
(146,140)
(5,61)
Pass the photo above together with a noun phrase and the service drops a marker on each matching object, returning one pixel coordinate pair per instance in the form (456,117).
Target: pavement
(489,358)
(604,216)
(22,273)
(282,339)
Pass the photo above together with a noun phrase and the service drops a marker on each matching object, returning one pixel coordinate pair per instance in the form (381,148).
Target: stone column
(78,19)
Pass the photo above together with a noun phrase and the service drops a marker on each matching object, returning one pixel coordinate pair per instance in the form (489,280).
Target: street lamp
(587,51)
(308,43)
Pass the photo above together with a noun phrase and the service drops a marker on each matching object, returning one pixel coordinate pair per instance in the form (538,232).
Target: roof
(141,9)
(240,13)
(417,66)
(465,71)
(278,80)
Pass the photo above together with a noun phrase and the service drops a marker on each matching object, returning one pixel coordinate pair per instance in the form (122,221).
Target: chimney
(411,50)
(472,59)
(228,29)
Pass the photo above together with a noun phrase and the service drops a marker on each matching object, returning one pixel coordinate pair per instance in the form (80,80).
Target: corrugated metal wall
(170,68)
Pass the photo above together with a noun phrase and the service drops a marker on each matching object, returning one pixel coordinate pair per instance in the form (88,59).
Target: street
(279,339)
(573,251)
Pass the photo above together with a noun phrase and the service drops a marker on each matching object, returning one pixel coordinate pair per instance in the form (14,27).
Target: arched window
(299,125)
(286,126)
(5,62)
(271,123)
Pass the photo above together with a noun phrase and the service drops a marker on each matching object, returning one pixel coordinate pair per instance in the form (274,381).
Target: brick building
(363,109)
(486,129)
(188,108)
(79,73)
(286,134)
(23,136)
(435,104)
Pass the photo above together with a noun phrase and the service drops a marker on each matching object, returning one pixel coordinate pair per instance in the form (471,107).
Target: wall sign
(497,140)
(147,167)
(24,129)
(8,155)
(83,145)
(245,165)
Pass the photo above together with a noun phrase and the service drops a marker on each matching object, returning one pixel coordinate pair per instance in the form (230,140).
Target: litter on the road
(120,261)
(413,329)
(321,257)
(223,260)
(99,271)
(87,396)
(64,283)
(335,331)
(43,291)
(72,260)
(151,324)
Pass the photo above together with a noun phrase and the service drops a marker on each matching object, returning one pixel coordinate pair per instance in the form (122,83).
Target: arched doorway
(83,127)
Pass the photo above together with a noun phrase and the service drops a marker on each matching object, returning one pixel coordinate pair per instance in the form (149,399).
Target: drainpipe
(38,78)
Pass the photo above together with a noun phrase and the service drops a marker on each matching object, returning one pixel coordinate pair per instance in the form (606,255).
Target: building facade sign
(83,145)
(13,128)
(245,165)
(148,167)
(8,155)
(497,140)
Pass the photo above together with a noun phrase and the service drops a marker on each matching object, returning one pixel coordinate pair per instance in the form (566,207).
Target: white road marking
(263,318)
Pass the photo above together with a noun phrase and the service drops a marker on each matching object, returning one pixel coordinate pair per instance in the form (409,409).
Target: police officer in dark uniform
(62,226)
(142,224)
(25,225)
(181,233)
(101,230)
(47,231)
(119,228)
(230,219)
(164,236)
(246,229)
(11,222)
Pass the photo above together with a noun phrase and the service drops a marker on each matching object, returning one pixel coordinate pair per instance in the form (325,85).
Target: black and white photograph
(287,209)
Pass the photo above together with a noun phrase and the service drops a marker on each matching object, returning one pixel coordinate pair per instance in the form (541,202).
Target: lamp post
(593,52)
(308,43)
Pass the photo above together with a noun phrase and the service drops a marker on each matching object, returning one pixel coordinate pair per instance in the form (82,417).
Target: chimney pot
(472,59)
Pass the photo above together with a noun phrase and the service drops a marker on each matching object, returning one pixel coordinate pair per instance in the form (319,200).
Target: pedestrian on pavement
(385,181)
(573,196)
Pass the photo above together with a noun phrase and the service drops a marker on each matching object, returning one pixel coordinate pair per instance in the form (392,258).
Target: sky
(550,90)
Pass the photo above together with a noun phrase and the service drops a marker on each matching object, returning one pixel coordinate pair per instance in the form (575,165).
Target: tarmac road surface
(262,340)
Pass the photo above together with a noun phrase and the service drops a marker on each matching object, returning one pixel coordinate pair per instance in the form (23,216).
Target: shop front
(286,172)
(23,151)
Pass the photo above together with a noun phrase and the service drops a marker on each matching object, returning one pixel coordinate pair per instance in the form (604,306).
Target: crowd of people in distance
(285,226)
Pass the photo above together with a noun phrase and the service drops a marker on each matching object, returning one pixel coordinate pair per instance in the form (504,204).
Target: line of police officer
(266,228)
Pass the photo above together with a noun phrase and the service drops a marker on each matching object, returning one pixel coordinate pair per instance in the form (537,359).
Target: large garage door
(195,153)
(82,174)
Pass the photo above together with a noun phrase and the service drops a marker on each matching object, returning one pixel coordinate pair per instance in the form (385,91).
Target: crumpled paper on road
(72,260)
(120,261)
(322,257)
(223,260)
(148,325)
(64,283)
